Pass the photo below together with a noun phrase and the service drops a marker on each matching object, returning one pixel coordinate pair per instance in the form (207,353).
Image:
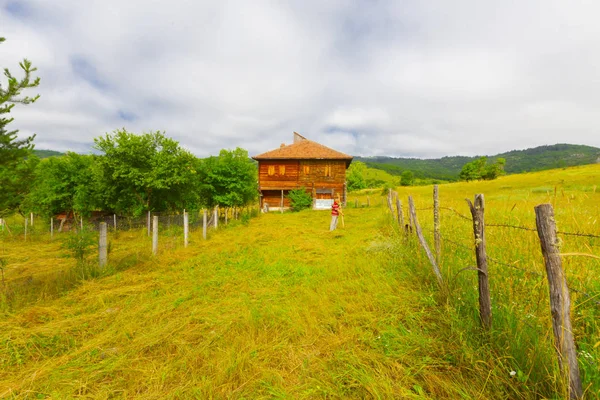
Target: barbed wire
(493,260)
(579,234)
(525,228)
(457,213)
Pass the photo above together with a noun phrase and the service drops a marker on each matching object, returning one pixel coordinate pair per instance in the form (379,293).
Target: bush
(79,245)
(300,199)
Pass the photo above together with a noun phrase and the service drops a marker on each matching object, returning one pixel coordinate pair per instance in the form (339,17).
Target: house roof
(303,149)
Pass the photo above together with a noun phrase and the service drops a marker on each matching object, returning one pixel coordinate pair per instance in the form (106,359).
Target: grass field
(283,308)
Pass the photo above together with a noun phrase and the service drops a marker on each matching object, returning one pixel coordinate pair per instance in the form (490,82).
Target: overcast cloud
(398,78)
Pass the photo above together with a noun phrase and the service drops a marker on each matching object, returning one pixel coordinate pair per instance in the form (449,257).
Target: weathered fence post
(389,202)
(115,221)
(102,246)
(81,222)
(25,231)
(148,223)
(413,213)
(485,303)
(204,224)
(51,227)
(226,212)
(436,224)
(400,213)
(31,215)
(155,235)
(410,218)
(216,215)
(185,229)
(560,301)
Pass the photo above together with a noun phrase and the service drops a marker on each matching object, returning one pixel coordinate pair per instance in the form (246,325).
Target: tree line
(131,173)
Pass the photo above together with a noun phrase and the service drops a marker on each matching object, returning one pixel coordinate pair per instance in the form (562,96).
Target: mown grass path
(281,308)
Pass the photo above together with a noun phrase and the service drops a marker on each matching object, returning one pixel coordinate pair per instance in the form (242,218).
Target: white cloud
(368,78)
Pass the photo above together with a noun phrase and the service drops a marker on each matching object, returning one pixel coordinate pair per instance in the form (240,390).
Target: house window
(328,170)
(306,169)
(282,170)
(271,170)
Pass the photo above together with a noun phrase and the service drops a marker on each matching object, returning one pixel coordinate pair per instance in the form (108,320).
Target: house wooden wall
(277,175)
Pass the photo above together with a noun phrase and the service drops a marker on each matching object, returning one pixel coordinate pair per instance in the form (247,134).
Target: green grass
(283,308)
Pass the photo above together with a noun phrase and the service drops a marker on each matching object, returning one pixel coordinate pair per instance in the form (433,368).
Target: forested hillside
(534,159)
(47,153)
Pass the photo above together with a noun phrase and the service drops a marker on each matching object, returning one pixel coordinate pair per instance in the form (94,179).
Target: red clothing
(335,208)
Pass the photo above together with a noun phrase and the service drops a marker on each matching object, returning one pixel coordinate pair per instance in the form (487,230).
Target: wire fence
(518,248)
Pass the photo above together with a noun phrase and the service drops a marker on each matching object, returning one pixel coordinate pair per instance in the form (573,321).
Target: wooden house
(302,164)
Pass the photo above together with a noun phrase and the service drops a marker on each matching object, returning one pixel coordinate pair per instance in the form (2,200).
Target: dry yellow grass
(283,308)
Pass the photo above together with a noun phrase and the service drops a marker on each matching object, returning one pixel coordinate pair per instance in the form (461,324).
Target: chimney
(298,137)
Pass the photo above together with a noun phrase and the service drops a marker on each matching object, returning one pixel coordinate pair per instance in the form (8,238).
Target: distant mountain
(447,168)
(47,153)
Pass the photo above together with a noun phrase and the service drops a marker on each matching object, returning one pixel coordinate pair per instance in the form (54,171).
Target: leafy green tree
(355,176)
(144,172)
(64,184)
(480,169)
(494,170)
(228,180)
(15,169)
(407,178)
(300,199)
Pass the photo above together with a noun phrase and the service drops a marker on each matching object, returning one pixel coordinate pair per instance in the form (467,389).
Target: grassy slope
(284,308)
(522,330)
(281,308)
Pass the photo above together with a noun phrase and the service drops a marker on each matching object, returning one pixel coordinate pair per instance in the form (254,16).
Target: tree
(407,178)
(14,166)
(355,176)
(64,184)
(229,180)
(300,199)
(479,169)
(144,172)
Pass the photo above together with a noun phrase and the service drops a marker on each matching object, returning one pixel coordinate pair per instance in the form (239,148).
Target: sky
(397,78)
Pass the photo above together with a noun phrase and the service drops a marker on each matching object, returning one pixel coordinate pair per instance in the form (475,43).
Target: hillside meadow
(283,308)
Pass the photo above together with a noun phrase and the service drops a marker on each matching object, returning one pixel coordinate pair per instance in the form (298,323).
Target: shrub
(79,245)
(300,199)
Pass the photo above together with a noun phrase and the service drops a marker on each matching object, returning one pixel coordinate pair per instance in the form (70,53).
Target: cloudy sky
(372,77)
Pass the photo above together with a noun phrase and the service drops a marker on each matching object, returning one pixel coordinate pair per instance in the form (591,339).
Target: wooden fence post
(102,246)
(413,213)
(148,222)
(31,215)
(204,224)
(51,227)
(25,231)
(389,202)
(410,218)
(115,221)
(216,215)
(436,224)
(560,301)
(226,212)
(155,235)
(400,213)
(485,303)
(185,229)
